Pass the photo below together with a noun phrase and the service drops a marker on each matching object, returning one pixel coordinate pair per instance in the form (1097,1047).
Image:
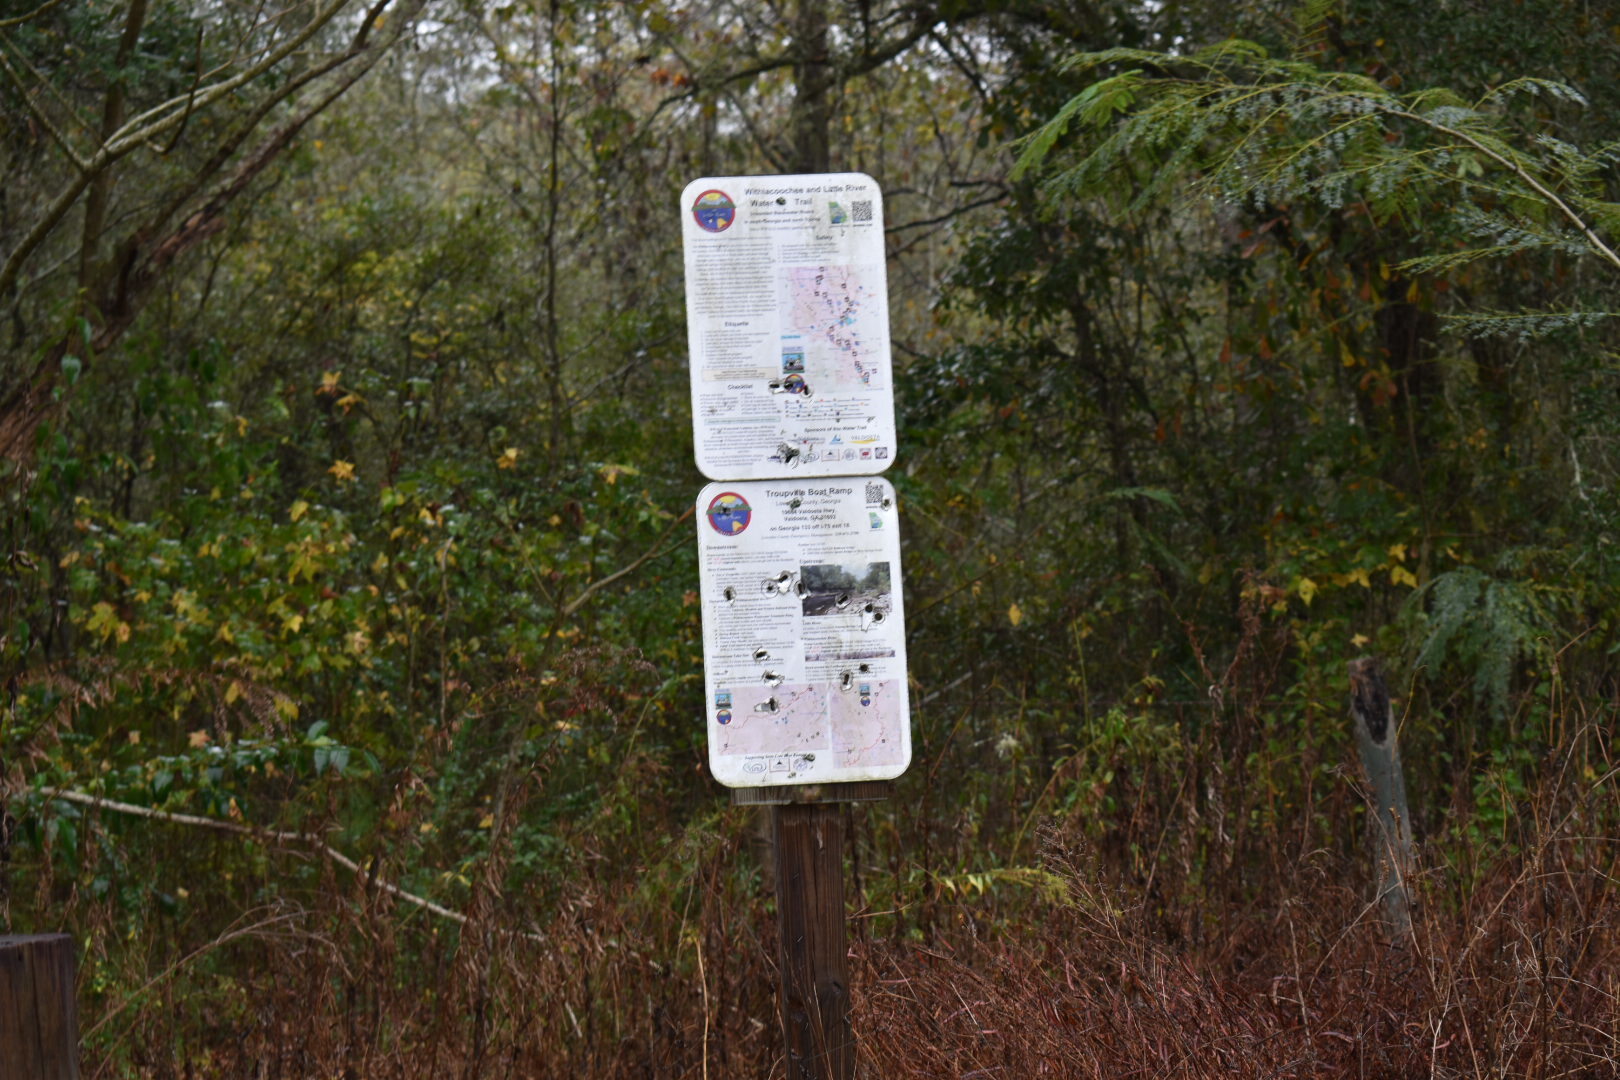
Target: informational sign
(804,645)
(787,312)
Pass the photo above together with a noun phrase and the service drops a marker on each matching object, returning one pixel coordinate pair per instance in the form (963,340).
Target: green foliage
(1485,625)
(1256,131)
(373,524)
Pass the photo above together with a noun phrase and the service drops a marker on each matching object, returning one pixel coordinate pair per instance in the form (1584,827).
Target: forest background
(346,467)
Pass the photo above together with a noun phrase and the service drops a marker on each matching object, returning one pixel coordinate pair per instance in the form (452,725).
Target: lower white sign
(804,644)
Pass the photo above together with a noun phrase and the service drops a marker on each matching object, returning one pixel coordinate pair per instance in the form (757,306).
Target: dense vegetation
(346,475)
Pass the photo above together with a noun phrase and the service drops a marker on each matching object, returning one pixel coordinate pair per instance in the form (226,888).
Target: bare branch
(308,840)
(37,113)
(153,122)
(649,555)
(36,13)
(949,214)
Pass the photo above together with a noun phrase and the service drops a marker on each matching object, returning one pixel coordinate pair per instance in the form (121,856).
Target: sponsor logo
(729,513)
(714,211)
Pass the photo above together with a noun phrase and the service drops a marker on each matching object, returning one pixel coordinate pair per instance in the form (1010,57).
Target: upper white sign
(787,315)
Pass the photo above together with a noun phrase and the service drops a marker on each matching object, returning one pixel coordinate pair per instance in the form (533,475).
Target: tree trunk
(813,78)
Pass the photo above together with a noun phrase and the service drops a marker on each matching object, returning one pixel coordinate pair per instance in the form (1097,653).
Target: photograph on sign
(787,312)
(804,645)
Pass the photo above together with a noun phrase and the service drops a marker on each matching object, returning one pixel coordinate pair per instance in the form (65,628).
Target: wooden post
(1391,827)
(807,831)
(812,947)
(39,1023)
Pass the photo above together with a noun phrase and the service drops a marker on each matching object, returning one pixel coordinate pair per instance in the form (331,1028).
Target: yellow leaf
(1306,589)
(329,382)
(343,470)
(1359,640)
(1015,614)
(1397,552)
(1400,575)
(198,739)
(348,401)
(298,509)
(488,822)
(134,738)
(508,459)
(292,624)
(232,692)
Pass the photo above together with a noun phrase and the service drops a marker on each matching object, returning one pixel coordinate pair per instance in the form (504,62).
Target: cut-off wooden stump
(39,1022)
(1391,825)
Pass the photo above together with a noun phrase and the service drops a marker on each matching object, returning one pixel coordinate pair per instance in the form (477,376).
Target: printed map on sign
(831,307)
(787,719)
(865,727)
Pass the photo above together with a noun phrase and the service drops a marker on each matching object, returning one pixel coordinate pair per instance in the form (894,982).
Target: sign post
(805,680)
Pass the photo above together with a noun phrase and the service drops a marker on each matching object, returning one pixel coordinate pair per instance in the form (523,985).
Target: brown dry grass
(1255,974)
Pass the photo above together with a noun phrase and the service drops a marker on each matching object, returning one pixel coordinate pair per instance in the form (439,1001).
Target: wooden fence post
(39,1022)
(1391,827)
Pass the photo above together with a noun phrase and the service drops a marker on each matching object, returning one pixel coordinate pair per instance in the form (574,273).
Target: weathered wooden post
(813,945)
(39,1022)
(1390,829)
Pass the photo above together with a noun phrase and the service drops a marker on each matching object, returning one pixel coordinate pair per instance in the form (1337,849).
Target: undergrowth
(1163,940)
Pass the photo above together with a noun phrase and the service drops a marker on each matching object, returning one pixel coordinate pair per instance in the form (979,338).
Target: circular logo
(729,513)
(714,211)
(723,716)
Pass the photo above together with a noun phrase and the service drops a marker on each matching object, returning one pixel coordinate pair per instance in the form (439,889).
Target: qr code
(861,209)
(874,493)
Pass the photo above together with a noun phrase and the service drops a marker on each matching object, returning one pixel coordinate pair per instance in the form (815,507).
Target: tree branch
(132,135)
(650,554)
(36,13)
(949,214)
(271,836)
(151,123)
(1518,170)
(37,113)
